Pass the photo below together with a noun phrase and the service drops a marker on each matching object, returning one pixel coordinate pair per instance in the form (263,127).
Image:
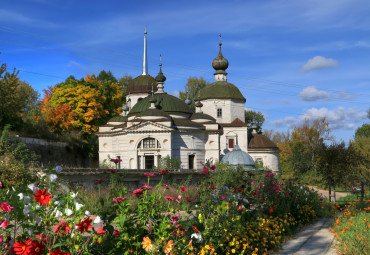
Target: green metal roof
(221,90)
(142,84)
(153,112)
(164,102)
(118,118)
(198,115)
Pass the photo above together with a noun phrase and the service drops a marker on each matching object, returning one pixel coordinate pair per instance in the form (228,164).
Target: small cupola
(160,78)
(220,64)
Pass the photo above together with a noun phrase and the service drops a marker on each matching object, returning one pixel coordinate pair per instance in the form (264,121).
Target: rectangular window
(191,161)
(231,143)
(219,112)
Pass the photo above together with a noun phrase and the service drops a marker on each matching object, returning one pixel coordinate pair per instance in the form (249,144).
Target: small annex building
(154,124)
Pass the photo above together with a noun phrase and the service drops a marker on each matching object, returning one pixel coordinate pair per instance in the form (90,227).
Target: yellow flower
(168,247)
(233,250)
(147,244)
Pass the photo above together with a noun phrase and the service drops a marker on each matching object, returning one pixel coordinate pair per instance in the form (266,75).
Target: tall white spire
(145,62)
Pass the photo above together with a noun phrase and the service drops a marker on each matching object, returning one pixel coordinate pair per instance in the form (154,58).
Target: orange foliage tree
(81,104)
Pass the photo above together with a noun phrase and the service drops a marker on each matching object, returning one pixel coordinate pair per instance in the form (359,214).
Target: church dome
(237,157)
(154,113)
(164,102)
(220,63)
(142,84)
(221,90)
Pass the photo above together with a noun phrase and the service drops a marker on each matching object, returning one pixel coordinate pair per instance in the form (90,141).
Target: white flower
(53,177)
(58,213)
(56,203)
(87,213)
(97,220)
(32,187)
(13,188)
(6,217)
(26,210)
(74,195)
(78,206)
(55,196)
(38,207)
(68,212)
(30,232)
(245,200)
(20,195)
(27,199)
(58,169)
(38,220)
(197,236)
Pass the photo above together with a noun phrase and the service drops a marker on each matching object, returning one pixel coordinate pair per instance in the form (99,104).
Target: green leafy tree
(17,97)
(254,118)
(192,88)
(123,82)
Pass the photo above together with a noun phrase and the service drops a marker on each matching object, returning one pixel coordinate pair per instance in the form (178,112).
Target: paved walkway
(315,239)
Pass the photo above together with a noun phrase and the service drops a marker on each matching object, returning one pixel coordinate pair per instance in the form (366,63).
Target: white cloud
(311,93)
(340,118)
(319,62)
(285,101)
(78,65)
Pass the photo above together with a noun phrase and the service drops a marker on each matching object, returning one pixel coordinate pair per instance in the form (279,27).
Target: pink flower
(98,181)
(169,198)
(183,189)
(162,172)
(119,199)
(149,174)
(137,192)
(223,197)
(175,219)
(252,182)
(1,184)
(205,171)
(149,225)
(240,208)
(5,207)
(147,187)
(165,185)
(4,224)
(116,232)
(201,162)
(179,197)
(213,167)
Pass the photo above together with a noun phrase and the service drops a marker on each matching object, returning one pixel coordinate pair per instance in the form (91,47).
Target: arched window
(149,143)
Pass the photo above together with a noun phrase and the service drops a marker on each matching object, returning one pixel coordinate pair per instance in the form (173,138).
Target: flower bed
(235,212)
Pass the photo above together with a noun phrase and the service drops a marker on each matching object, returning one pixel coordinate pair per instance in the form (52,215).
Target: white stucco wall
(231,109)
(269,158)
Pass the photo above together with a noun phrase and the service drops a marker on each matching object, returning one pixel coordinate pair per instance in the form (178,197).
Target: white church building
(154,125)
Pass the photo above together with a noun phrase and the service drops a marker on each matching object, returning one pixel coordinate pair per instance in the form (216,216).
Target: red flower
(112,171)
(84,225)
(205,171)
(100,231)
(37,247)
(147,187)
(42,197)
(149,174)
(179,232)
(196,230)
(4,224)
(58,252)
(240,190)
(116,160)
(1,184)
(169,198)
(213,167)
(22,248)
(165,185)
(62,228)
(116,232)
(162,172)
(183,189)
(138,192)
(189,199)
(271,210)
(98,181)
(5,207)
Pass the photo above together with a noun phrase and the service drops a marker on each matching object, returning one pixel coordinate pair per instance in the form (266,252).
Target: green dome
(221,90)
(164,102)
(153,112)
(220,63)
(142,84)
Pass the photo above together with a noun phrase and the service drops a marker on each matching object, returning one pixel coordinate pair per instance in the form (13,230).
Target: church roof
(259,141)
(202,116)
(164,102)
(142,84)
(221,90)
(118,118)
(236,123)
(153,112)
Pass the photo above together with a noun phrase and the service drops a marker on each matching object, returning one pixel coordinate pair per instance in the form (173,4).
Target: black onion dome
(160,77)
(220,63)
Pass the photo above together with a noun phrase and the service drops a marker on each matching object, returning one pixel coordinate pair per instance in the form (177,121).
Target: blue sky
(291,59)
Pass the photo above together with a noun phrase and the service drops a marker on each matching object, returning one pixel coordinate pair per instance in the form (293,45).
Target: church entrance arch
(148,150)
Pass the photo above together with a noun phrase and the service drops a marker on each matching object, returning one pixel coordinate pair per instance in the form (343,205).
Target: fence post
(329,189)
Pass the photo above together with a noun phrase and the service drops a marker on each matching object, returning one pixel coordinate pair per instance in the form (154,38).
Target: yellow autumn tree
(82,105)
